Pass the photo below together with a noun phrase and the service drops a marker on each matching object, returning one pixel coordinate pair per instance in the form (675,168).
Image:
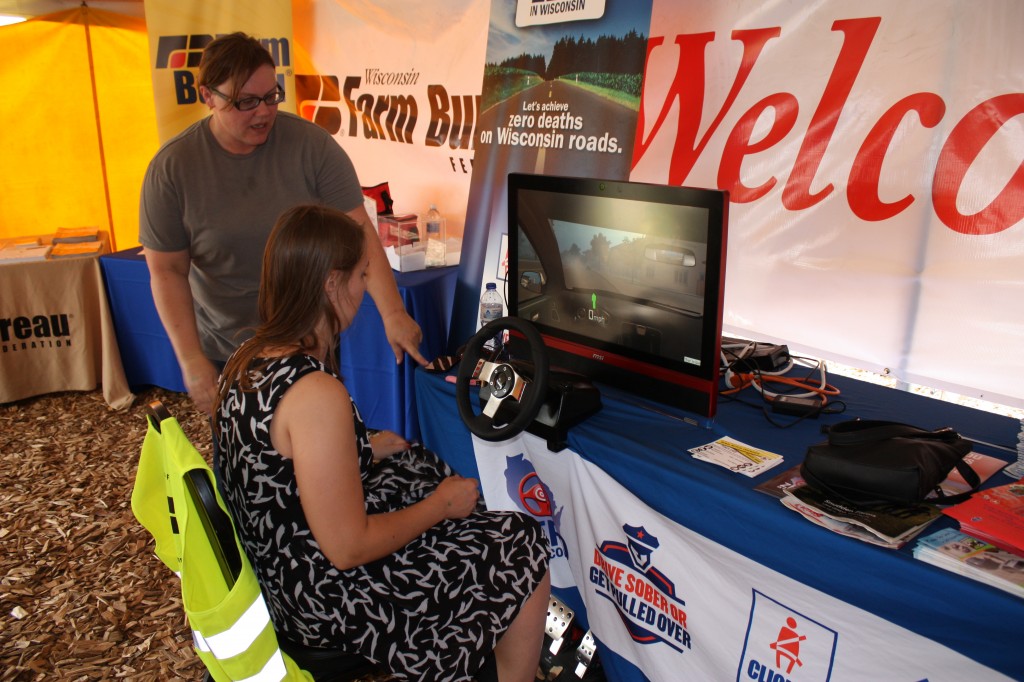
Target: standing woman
(368,545)
(209,200)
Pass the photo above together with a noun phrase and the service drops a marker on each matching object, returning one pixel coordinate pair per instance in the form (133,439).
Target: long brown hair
(307,243)
(234,57)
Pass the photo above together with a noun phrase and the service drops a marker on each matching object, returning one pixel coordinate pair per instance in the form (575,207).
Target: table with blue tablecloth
(857,604)
(382,389)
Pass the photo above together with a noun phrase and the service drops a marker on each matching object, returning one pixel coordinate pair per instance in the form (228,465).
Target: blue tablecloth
(644,447)
(146,352)
(382,390)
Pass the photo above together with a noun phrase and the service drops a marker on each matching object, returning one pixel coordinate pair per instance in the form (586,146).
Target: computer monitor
(624,280)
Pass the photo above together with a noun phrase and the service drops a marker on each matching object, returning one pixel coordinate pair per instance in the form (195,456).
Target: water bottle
(491,305)
(435,238)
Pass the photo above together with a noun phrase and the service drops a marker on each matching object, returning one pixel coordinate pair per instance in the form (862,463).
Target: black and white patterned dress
(432,611)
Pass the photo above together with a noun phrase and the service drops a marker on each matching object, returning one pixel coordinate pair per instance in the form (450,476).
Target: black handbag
(873,461)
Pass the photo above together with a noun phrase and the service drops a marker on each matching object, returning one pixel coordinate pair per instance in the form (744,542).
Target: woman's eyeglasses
(249,103)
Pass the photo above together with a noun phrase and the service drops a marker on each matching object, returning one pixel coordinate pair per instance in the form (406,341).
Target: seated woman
(365,544)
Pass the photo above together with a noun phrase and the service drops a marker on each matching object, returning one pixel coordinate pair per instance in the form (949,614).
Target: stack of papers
(75,249)
(16,253)
(960,553)
(1016,470)
(736,456)
(74,235)
(995,515)
(885,525)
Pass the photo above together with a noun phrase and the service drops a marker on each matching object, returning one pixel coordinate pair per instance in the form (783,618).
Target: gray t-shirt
(222,206)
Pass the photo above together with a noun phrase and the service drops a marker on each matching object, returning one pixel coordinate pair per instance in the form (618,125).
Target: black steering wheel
(499,381)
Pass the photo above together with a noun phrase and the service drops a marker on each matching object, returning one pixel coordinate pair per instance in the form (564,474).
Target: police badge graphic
(646,599)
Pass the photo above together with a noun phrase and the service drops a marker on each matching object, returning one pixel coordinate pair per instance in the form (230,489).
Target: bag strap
(860,431)
(972,479)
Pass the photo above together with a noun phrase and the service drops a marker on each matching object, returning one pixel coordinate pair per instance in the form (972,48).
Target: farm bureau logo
(783,645)
(534,497)
(34,333)
(624,573)
(181,55)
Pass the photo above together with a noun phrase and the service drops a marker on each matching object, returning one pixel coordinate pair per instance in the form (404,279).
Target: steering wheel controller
(500,384)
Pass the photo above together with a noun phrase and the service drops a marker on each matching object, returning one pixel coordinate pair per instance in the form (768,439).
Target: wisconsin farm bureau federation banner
(872,150)
(178,32)
(680,607)
(398,85)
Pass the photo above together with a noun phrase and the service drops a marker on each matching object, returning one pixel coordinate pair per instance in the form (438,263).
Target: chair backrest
(175,499)
(215,521)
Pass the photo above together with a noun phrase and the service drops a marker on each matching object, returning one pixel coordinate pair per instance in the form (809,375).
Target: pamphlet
(23,254)
(958,552)
(736,456)
(75,249)
(74,235)
(888,525)
(995,515)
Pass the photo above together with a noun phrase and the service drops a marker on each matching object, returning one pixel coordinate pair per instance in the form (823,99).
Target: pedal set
(569,654)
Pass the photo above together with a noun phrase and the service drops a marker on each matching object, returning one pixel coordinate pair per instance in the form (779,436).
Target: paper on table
(736,456)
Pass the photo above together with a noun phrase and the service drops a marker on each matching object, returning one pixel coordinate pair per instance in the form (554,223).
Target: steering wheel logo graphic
(534,496)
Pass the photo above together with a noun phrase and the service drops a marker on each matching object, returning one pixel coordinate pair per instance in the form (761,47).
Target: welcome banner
(178,32)
(874,155)
(681,607)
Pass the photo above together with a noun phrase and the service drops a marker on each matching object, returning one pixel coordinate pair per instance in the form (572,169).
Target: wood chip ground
(82,596)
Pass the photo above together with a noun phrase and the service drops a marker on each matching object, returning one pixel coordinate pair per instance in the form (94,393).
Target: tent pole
(99,127)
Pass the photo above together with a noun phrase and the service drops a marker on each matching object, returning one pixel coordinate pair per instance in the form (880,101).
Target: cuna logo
(47,330)
(181,54)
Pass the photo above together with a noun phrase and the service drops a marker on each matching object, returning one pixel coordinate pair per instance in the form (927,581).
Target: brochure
(23,254)
(75,249)
(995,515)
(958,552)
(736,456)
(74,235)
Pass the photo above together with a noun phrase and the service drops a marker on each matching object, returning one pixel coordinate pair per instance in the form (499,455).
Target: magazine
(958,552)
(779,485)
(984,465)
(888,525)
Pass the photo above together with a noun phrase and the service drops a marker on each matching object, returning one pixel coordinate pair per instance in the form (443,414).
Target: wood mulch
(82,596)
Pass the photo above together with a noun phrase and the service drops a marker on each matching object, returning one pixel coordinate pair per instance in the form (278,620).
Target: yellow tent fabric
(78,122)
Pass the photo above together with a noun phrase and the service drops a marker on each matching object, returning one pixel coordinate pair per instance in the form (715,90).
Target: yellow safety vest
(231,626)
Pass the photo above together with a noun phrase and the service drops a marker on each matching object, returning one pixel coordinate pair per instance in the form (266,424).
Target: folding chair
(176,500)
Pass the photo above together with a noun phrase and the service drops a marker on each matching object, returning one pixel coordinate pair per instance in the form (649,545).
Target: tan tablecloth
(56,332)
